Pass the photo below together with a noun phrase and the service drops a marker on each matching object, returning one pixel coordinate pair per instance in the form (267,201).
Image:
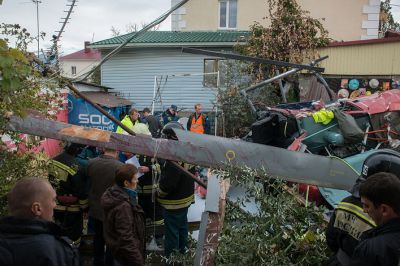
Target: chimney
(87,49)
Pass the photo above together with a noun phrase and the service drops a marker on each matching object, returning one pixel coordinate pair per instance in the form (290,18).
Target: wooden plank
(211,227)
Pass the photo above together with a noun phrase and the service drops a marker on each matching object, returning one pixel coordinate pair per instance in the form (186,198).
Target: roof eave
(78,59)
(168,45)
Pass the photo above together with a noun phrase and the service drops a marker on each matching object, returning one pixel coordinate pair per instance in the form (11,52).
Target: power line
(133,36)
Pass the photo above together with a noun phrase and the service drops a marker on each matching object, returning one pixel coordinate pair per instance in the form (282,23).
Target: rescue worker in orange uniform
(198,122)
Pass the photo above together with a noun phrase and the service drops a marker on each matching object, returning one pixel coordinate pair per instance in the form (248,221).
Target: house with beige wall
(377,58)
(80,62)
(346,20)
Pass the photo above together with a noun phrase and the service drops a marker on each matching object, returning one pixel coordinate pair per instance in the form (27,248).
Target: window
(227,14)
(73,70)
(214,69)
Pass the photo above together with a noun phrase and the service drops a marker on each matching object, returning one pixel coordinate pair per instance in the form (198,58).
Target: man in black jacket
(349,221)
(380,196)
(29,237)
(153,123)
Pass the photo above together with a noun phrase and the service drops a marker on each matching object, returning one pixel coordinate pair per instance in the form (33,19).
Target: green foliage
(386,20)
(96,77)
(22,89)
(283,232)
(293,36)
(16,165)
(280,232)
(20,80)
(236,113)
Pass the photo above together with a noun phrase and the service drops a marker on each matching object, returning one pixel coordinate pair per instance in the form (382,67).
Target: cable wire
(135,35)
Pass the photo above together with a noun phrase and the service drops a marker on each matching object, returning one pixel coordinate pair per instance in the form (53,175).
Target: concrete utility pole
(37,2)
(203,150)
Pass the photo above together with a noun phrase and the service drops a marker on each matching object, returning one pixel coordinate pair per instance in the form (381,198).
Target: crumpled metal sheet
(379,102)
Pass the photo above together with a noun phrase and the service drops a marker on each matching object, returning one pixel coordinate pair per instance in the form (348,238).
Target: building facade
(75,64)
(152,71)
(374,58)
(345,20)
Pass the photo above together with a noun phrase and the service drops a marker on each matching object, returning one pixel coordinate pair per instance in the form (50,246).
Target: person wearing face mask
(124,219)
(29,236)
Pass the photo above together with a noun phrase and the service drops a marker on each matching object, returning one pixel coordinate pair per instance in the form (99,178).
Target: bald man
(28,236)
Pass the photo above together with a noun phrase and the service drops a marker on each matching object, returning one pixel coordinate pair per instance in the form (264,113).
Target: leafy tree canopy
(22,88)
(386,20)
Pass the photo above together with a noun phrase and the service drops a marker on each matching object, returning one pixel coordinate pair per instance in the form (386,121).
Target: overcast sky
(396,10)
(92,19)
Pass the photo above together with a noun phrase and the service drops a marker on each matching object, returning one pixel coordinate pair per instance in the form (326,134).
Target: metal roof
(90,54)
(106,99)
(93,85)
(167,38)
(364,42)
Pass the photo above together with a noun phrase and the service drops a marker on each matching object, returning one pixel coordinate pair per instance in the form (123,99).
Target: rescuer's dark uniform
(349,221)
(175,194)
(69,182)
(148,183)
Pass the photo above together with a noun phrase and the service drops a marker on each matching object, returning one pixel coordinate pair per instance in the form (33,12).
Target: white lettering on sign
(96,121)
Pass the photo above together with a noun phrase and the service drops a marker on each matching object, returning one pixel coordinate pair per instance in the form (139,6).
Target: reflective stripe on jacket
(60,170)
(175,204)
(347,223)
(147,189)
(68,196)
(176,190)
(351,219)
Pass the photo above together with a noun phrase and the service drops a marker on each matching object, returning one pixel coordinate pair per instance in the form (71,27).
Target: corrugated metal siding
(132,73)
(369,59)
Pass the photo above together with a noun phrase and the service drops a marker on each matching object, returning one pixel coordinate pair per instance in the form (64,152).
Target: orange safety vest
(197,125)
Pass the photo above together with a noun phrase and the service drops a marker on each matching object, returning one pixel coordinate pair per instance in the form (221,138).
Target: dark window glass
(232,14)
(222,14)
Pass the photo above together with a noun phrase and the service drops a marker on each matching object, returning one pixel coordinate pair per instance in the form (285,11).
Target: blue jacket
(25,242)
(167,117)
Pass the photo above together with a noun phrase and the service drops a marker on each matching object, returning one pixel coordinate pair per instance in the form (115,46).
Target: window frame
(216,68)
(73,69)
(228,3)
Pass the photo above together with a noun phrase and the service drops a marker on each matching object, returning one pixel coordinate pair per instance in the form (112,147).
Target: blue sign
(82,113)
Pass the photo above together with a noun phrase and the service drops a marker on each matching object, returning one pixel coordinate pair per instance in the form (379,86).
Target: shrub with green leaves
(22,88)
(283,232)
(280,232)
